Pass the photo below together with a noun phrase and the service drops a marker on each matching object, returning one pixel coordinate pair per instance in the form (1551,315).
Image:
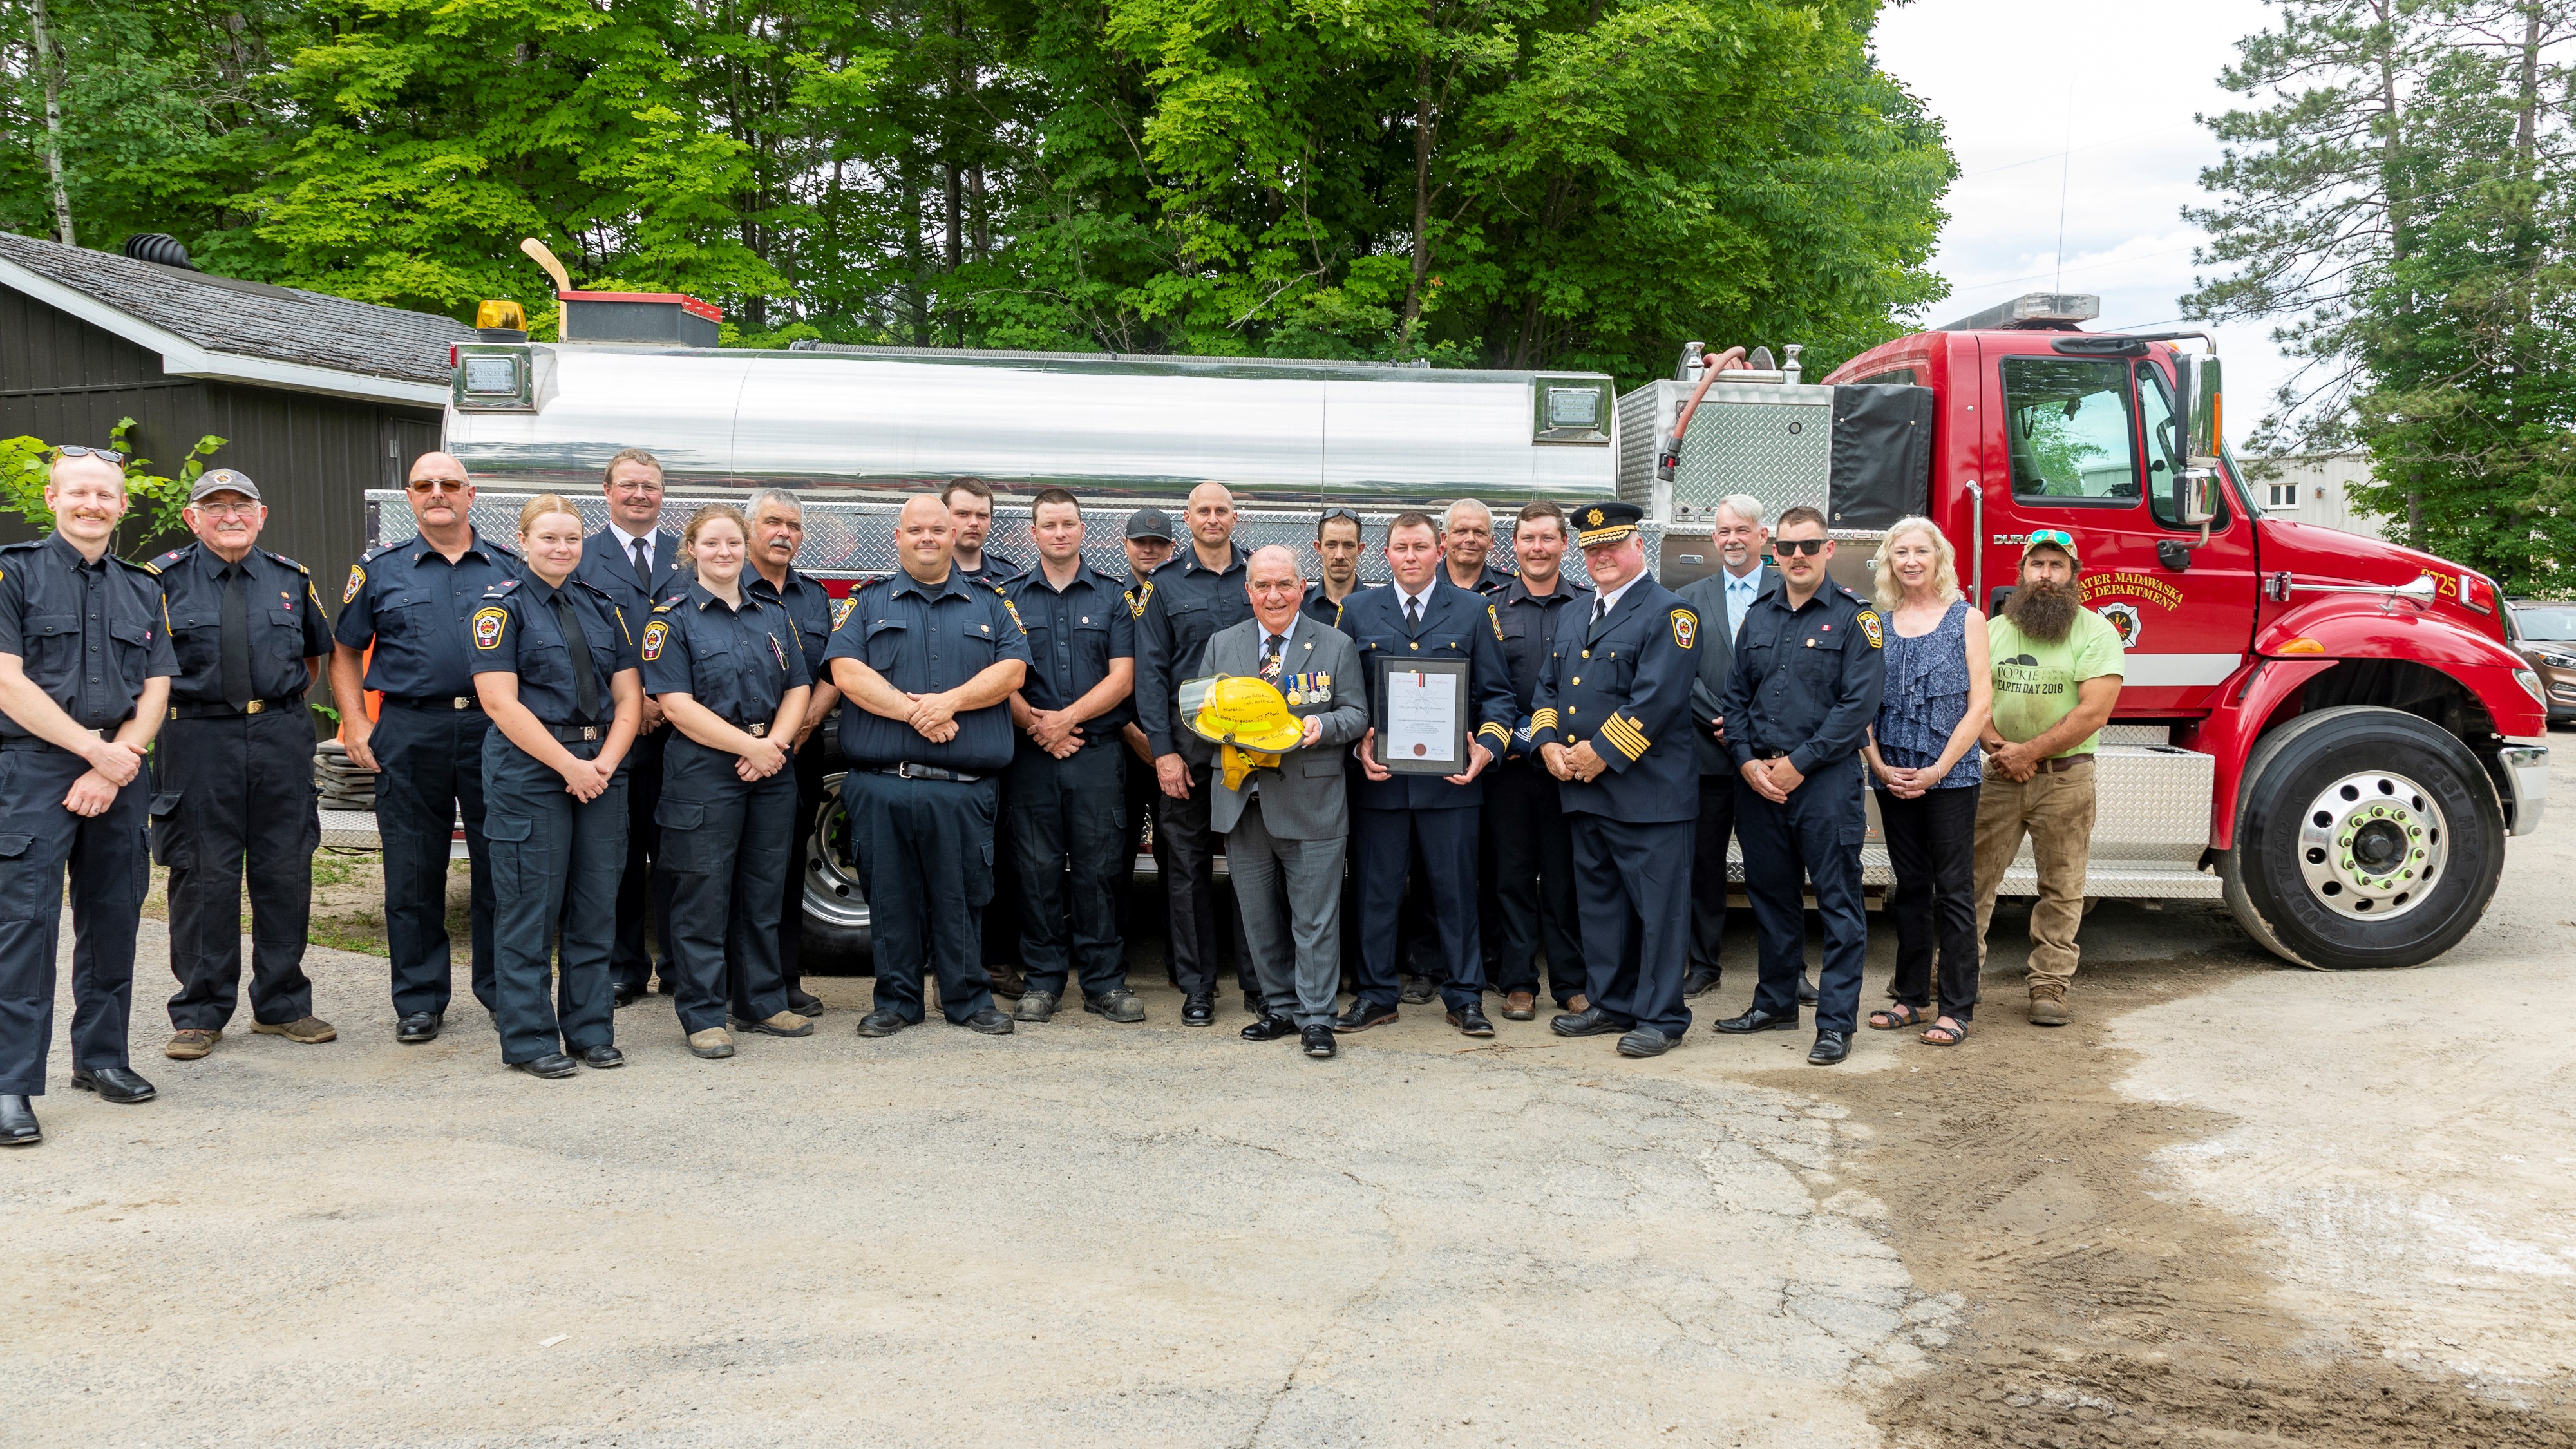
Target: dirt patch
(2101,1308)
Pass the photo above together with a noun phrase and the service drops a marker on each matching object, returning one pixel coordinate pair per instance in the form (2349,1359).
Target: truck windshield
(2557,625)
(2071,429)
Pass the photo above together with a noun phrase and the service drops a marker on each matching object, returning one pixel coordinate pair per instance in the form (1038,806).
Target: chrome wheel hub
(2371,845)
(832,893)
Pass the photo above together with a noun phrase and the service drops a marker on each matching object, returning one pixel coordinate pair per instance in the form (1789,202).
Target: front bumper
(2523,770)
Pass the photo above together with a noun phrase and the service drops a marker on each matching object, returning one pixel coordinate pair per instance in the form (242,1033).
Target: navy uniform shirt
(809,604)
(1074,633)
(1806,681)
(1183,605)
(738,663)
(1490,581)
(516,632)
(1323,610)
(286,622)
(925,638)
(1624,684)
(1455,626)
(994,572)
(1528,623)
(89,633)
(412,604)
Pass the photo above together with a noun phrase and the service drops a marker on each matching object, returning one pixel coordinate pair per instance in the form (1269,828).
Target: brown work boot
(713,1043)
(2048,1006)
(1520,1006)
(1578,1003)
(310,1030)
(189,1043)
(785,1023)
(1008,980)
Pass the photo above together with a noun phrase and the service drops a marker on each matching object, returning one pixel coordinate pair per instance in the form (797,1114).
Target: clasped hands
(1773,779)
(1580,762)
(113,764)
(1052,730)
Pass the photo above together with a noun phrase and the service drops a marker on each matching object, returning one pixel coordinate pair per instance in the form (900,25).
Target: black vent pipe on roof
(158,247)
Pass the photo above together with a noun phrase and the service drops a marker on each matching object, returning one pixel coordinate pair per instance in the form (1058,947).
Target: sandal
(1945,1036)
(1889,1018)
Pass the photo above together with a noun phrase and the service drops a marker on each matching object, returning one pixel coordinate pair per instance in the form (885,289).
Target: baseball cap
(1150,523)
(225,480)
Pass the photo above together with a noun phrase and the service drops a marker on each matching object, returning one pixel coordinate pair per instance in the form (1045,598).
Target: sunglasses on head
(1332,513)
(1808,546)
(75,450)
(2058,536)
(438,485)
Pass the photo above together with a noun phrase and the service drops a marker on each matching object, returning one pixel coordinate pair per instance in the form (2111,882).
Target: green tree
(153,500)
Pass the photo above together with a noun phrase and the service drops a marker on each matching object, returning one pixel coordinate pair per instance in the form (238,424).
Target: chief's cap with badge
(1598,523)
(224,480)
(1150,523)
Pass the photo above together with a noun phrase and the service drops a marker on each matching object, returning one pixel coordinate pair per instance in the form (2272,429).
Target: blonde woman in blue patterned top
(1922,755)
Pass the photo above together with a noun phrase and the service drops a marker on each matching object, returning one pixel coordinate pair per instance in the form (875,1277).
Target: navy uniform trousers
(110,873)
(1634,879)
(643,893)
(1382,841)
(245,802)
(555,867)
(1067,823)
(430,771)
(1531,840)
(1815,837)
(807,764)
(925,851)
(724,845)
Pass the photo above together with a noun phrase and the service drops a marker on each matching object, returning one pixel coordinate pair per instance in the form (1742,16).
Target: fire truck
(2328,733)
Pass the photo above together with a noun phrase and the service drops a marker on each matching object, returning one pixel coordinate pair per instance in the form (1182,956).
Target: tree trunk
(1423,120)
(48,62)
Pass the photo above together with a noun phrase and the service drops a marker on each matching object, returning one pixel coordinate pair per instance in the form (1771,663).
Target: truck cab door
(2088,446)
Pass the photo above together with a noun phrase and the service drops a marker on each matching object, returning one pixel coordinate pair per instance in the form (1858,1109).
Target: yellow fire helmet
(1245,711)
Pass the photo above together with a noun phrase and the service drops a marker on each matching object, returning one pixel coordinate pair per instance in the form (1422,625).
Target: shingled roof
(221,322)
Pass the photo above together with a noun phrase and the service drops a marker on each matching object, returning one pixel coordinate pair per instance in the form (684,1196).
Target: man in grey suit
(1721,599)
(1286,829)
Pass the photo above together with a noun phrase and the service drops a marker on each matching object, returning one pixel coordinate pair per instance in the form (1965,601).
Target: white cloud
(2075,117)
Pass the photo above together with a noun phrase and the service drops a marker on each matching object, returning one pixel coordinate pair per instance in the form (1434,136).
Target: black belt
(222,710)
(577,734)
(436,701)
(30,742)
(1770,754)
(910,771)
(758,730)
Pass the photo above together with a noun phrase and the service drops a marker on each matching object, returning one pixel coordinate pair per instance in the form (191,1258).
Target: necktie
(236,638)
(643,553)
(585,680)
(1600,606)
(1270,656)
(1413,612)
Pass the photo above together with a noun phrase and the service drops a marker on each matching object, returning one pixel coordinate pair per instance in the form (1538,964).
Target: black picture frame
(1456,671)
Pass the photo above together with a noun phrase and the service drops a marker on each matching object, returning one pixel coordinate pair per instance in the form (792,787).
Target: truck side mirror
(2196,429)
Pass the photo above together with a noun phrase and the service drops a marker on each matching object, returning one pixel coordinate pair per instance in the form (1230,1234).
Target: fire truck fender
(2249,699)
(2361,627)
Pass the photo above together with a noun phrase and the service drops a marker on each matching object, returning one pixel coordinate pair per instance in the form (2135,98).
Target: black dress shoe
(1417,990)
(804,1003)
(1318,1041)
(1362,1016)
(624,995)
(418,1027)
(1270,1028)
(552,1064)
(18,1123)
(1198,1011)
(1697,982)
(1117,1004)
(602,1057)
(114,1084)
(1590,1021)
(1470,1020)
(1645,1041)
(1806,989)
(1830,1047)
(991,1021)
(884,1021)
(1756,1019)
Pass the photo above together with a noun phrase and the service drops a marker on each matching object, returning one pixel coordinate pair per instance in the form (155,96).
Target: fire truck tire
(2365,837)
(835,940)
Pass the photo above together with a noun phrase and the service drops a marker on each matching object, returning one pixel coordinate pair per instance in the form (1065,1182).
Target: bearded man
(2057,678)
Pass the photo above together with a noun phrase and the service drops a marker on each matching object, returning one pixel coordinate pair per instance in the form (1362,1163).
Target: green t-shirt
(2035,682)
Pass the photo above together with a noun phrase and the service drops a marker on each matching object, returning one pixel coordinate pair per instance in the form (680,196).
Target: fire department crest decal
(1685,628)
(487,627)
(2124,622)
(1870,626)
(841,608)
(357,581)
(654,634)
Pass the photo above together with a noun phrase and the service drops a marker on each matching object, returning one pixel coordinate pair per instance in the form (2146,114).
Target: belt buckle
(589,733)
(255,706)
(903,770)
(758,731)
(460,702)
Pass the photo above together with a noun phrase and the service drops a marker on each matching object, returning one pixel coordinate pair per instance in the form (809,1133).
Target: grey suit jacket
(1716,656)
(1305,798)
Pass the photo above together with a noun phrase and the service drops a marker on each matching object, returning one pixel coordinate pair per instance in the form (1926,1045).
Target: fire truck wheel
(2365,837)
(836,911)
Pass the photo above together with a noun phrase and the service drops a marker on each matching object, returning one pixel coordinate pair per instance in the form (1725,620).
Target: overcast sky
(2090,102)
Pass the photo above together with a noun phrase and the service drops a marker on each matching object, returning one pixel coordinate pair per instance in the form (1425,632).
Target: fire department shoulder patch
(1869,626)
(1015,613)
(654,634)
(1136,598)
(357,581)
(1685,628)
(841,608)
(487,627)
(1496,615)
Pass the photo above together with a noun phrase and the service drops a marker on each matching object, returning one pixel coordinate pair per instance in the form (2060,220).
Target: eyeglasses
(2057,536)
(227,510)
(75,450)
(438,485)
(1788,546)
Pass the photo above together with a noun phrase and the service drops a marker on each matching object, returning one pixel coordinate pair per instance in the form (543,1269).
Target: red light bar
(683,300)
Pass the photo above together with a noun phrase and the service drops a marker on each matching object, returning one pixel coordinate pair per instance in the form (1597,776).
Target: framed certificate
(1422,715)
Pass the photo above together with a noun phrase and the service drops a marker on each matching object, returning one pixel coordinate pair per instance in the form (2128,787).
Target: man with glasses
(1805,685)
(85,668)
(236,770)
(409,601)
(636,562)
(777,532)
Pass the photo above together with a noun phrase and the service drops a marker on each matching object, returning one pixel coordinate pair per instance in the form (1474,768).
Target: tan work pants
(2056,810)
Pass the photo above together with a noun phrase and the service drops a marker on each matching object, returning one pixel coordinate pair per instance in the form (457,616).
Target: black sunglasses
(1808,546)
(75,450)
